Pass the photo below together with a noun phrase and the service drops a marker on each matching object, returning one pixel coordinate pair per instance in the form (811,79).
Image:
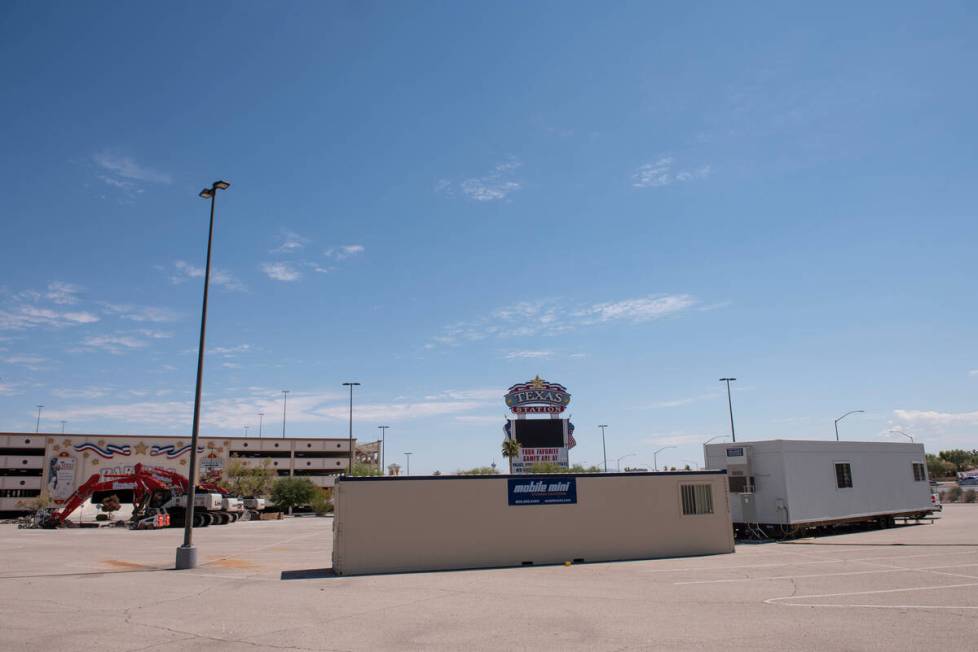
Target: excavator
(158,496)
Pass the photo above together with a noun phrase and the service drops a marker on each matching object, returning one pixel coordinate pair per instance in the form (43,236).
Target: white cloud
(345,251)
(552,317)
(121,168)
(281,272)
(478,419)
(22,317)
(291,242)
(81,392)
(326,408)
(184,271)
(661,173)
(935,419)
(228,351)
(62,294)
(32,362)
(973,372)
(498,184)
(639,310)
(113,343)
(516,355)
(141,313)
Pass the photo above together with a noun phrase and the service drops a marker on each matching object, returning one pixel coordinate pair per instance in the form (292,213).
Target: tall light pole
(63,422)
(285,404)
(37,425)
(841,418)
(246,431)
(261,417)
(603,447)
(408,457)
(733,435)
(655,457)
(621,458)
(900,432)
(383,444)
(187,554)
(351,386)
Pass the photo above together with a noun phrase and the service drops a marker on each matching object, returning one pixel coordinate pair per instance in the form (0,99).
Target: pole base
(186,557)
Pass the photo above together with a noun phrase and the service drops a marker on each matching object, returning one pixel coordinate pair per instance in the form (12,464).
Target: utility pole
(733,435)
(63,422)
(408,456)
(604,449)
(37,425)
(261,417)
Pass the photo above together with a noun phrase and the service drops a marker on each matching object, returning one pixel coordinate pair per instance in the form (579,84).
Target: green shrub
(320,503)
(969,496)
(293,492)
(479,470)
(954,494)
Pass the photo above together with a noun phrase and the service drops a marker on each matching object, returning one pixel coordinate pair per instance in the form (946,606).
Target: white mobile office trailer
(783,486)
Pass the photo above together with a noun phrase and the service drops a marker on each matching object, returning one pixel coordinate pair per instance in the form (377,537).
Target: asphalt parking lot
(265,585)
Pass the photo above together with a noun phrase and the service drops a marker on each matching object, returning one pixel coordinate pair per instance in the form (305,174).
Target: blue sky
(439,200)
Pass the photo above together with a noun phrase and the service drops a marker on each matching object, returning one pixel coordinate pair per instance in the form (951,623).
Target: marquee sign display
(537,397)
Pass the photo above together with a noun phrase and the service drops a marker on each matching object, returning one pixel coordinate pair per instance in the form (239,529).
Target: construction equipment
(158,496)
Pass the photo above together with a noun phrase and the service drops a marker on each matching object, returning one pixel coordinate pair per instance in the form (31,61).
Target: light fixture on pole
(187,554)
(604,449)
(383,444)
(37,425)
(285,405)
(261,417)
(733,434)
(841,418)
(621,458)
(900,432)
(408,457)
(655,457)
(351,386)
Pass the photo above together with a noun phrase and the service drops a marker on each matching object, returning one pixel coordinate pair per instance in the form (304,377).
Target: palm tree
(511,449)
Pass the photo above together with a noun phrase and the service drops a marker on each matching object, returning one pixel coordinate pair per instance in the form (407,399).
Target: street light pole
(604,448)
(621,458)
(37,425)
(900,432)
(63,422)
(408,456)
(187,554)
(351,386)
(655,457)
(733,435)
(246,431)
(383,446)
(285,405)
(261,417)
(841,418)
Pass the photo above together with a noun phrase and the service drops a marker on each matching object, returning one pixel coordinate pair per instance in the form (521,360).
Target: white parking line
(887,569)
(805,563)
(795,598)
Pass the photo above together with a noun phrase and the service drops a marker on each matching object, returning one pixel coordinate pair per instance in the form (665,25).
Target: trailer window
(697,498)
(843,476)
(741,484)
(919,472)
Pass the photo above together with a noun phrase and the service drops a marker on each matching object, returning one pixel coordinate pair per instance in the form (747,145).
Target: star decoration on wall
(140,448)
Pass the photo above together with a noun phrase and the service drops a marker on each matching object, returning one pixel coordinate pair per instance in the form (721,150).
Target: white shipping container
(786,482)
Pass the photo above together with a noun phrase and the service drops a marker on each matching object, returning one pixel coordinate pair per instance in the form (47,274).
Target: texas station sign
(537,397)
